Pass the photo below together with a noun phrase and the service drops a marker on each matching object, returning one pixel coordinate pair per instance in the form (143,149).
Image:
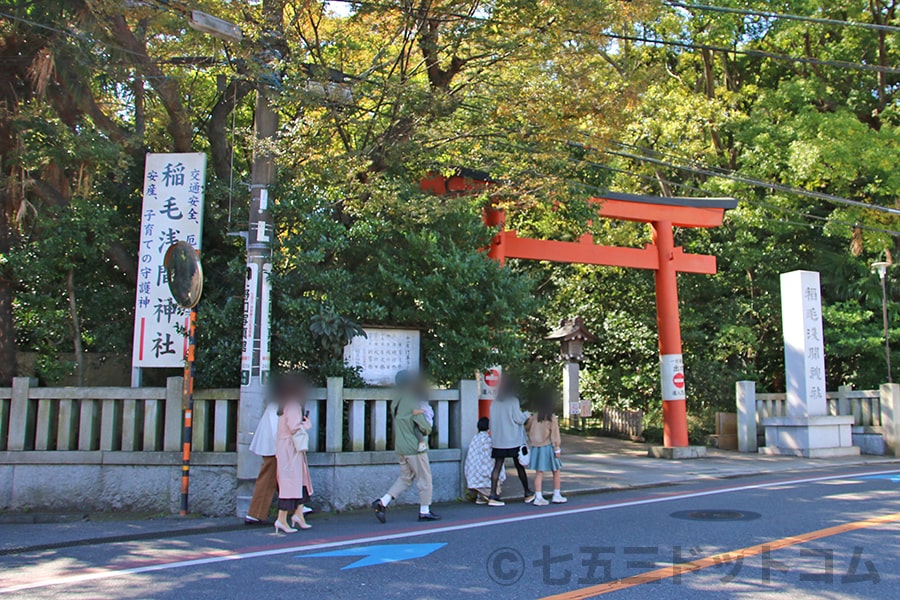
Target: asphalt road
(817,534)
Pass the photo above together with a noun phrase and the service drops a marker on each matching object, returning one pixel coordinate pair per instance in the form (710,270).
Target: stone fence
(117,448)
(876,429)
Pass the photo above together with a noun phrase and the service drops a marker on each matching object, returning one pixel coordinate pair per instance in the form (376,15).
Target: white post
(745,392)
(378,424)
(357,425)
(890,416)
(442,421)
(334,414)
(20,415)
(151,418)
(571,397)
(844,400)
(468,425)
(313,407)
(173,417)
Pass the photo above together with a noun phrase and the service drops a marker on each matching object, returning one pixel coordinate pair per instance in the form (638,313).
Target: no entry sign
(672,377)
(490,381)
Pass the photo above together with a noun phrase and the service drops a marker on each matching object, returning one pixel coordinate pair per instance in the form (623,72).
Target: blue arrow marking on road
(892,477)
(381,554)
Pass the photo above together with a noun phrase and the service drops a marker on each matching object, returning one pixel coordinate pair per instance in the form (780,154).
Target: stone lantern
(572,334)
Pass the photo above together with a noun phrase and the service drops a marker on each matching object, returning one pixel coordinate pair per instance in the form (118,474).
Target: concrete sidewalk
(594,464)
(600,464)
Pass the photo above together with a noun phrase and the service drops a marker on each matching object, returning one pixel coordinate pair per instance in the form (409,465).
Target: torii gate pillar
(668,322)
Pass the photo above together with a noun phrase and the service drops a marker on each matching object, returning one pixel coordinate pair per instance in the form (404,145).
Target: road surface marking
(721,558)
(225,556)
(381,554)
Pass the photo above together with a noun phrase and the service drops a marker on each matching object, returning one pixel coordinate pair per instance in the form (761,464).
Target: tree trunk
(77,345)
(7,325)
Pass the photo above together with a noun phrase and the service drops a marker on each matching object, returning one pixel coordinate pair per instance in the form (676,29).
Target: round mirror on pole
(185,274)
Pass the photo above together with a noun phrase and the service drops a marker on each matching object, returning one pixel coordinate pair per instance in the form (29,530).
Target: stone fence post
(334,414)
(843,407)
(467,426)
(21,414)
(890,417)
(172,435)
(745,393)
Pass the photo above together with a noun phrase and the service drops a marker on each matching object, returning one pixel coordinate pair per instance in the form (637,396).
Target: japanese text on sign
(172,211)
(382,353)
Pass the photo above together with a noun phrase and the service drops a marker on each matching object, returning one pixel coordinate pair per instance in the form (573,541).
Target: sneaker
(379,510)
(429,516)
(540,501)
(529,497)
(481,500)
(495,502)
(559,499)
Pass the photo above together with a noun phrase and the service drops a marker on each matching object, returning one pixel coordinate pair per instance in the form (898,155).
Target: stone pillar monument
(806,429)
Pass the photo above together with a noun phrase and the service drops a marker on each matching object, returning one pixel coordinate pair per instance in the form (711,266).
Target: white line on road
(112,573)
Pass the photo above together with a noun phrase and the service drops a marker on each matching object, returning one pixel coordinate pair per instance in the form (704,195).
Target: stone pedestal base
(677,453)
(811,437)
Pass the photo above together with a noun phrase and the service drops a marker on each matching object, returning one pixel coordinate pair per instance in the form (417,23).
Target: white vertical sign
(249,339)
(804,343)
(265,305)
(671,368)
(172,211)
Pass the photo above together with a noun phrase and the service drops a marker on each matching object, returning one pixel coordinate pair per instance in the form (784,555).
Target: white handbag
(524,456)
(301,440)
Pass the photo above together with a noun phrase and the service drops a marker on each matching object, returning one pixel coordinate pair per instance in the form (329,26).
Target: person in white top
(263,444)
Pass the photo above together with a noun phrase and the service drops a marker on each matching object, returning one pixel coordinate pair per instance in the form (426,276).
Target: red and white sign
(490,381)
(671,368)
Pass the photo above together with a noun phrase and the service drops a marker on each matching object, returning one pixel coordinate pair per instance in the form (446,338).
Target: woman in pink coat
(294,484)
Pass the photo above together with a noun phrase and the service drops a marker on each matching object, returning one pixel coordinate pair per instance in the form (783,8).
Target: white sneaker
(540,501)
(559,499)
(495,502)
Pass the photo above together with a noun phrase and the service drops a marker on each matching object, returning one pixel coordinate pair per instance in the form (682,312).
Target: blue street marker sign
(381,554)
(892,477)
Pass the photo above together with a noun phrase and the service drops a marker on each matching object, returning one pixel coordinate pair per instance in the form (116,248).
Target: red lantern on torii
(662,257)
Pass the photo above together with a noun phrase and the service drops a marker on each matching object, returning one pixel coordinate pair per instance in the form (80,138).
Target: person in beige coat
(294,483)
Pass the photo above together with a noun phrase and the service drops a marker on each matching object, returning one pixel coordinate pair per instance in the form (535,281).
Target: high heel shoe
(302,524)
(279,526)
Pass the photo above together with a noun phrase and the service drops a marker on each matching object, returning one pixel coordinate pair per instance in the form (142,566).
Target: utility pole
(255,360)
(881,268)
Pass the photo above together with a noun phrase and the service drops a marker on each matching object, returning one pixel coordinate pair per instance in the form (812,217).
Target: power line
(655,41)
(727,174)
(72,34)
(785,16)
(760,204)
(755,53)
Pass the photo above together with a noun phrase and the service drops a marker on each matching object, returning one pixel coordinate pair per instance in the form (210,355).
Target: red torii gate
(662,256)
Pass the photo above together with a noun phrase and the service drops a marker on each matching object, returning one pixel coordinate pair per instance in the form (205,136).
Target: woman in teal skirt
(544,440)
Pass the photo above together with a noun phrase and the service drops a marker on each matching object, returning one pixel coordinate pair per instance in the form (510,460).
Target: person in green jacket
(414,466)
